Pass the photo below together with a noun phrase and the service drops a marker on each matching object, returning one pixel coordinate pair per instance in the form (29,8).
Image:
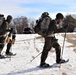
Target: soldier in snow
(4,29)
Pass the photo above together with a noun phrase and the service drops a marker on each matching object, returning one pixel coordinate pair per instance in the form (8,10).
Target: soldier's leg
(8,52)
(1,48)
(46,49)
(8,47)
(1,56)
(58,51)
(2,40)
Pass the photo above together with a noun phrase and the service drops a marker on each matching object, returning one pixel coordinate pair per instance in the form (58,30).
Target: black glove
(14,36)
(11,30)
(65,26)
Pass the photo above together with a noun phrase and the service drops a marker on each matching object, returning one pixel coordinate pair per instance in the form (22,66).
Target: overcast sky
(34,8)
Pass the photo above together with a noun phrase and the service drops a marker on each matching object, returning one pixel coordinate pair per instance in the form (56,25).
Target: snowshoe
(62,61)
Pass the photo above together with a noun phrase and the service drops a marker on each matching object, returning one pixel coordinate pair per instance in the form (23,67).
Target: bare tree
(70,20)
(21,23)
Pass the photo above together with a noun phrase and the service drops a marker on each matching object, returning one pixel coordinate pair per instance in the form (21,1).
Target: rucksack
(42,25)
(1,19)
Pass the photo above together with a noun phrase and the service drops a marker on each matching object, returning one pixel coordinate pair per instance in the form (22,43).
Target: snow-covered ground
(28,46)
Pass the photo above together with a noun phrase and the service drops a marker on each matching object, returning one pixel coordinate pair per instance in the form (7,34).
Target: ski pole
(35,57)
(63,45)
(63,48)
(64,39)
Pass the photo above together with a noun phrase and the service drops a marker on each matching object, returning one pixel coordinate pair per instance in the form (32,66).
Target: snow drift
(28,46)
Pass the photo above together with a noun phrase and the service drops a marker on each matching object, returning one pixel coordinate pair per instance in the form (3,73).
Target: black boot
(60,61)
(9,53)
(44,65)
(2,56)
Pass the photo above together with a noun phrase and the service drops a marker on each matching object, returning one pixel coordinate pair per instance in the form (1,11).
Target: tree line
(23,22)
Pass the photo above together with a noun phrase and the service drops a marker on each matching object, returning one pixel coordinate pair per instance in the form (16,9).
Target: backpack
(42,25)
(1,19)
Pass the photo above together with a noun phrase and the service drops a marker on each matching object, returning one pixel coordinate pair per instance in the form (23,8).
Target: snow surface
(29,46)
